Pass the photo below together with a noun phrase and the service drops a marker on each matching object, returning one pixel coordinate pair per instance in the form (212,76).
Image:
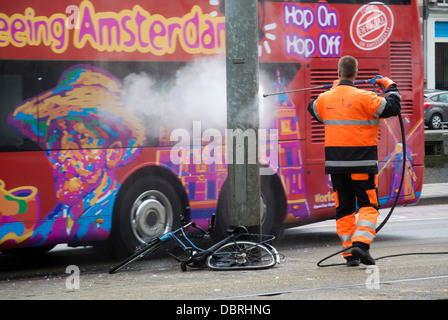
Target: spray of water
(197,93)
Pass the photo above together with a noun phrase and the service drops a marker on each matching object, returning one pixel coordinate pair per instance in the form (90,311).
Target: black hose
(403,171)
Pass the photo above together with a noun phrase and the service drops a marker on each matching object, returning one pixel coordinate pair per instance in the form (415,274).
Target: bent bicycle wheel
(242,255)
(141,251)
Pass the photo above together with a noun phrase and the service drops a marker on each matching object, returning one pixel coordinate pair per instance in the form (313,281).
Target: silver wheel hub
(151,215)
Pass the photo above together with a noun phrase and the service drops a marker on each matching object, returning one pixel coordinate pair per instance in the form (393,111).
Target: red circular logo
(371,26)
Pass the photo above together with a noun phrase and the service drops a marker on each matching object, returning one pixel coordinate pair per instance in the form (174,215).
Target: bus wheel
(271,220)
(149,208)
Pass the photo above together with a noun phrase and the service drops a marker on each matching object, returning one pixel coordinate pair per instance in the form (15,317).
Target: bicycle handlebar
(209,229)
(205,233)
(194,225)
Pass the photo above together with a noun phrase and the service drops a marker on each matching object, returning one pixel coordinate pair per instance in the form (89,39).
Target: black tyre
(242,255)
(271,218)
(149,208)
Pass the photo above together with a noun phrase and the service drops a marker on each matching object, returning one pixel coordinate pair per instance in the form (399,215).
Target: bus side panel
(48,56)
(21,195)
(318,42)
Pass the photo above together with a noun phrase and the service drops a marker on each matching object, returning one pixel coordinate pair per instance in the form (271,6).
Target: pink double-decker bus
(94,92)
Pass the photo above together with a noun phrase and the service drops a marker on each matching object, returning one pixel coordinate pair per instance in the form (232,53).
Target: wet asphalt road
(415,229)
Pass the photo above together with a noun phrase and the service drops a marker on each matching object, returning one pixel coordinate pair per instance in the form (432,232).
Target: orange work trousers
(352,192)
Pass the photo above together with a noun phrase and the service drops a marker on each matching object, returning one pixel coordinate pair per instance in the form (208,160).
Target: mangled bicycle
(240,250)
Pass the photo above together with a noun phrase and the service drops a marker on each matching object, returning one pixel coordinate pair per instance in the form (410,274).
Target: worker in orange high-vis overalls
(351,118)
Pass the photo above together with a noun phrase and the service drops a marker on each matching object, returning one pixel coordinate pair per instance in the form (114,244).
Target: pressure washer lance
(328,86)
(403,166)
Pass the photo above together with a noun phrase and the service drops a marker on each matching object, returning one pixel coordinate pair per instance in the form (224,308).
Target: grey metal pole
(242,113)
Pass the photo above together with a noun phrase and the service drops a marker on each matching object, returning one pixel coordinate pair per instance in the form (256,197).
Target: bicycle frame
(197,257)
(202,254)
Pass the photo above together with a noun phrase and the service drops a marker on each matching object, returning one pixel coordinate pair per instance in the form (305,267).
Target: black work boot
(361,251)
(351,261)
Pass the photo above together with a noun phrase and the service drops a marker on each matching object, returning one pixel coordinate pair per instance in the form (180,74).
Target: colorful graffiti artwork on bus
(19,207)
(87,133)
(394,159)
(135,30)
(290,154)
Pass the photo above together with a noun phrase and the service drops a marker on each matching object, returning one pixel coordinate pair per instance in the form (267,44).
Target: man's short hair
(348,67)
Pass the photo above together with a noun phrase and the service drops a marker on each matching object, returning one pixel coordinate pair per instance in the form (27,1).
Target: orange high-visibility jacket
(351,118)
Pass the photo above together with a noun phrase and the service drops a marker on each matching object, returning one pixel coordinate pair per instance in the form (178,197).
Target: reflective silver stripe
(396,93)
(315,112)
(365,234)
(381,108)
(346,238)
(352,122)
(366,223)
(357,163)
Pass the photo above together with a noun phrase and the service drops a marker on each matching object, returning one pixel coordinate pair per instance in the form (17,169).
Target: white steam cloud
(198,93)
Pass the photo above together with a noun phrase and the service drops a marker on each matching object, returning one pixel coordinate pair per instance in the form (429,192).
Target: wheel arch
(274,183)
(279,193)
(154,170)
(115,245)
